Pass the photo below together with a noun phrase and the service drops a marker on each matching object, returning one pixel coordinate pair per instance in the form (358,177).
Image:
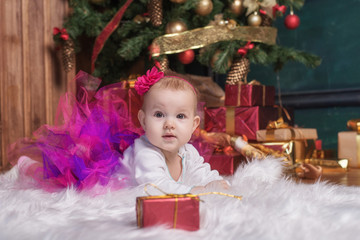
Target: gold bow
(354,125)
(279,123)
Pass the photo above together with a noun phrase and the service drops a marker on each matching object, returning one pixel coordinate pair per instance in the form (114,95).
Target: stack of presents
(249,111)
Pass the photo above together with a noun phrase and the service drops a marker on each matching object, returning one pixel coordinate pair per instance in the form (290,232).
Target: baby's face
(168,117)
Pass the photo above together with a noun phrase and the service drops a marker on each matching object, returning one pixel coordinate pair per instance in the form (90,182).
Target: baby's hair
(177,83)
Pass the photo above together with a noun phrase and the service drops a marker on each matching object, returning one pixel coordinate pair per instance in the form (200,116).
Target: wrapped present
(286,134)
(126,92)
(291,151)
(239,120)
(349,147)
(251,94)
(226,161)
(173,210)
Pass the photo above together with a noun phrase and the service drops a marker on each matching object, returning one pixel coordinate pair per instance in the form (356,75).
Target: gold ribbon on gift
(175,196)
(354,125)
(201,37)
(254,83)
(230,120)
(195,196)
(273,125)
(239,92)
(257,83)
(130,81)
(278,124)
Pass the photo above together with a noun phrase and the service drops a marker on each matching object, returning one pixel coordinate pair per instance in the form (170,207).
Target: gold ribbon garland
(201,37)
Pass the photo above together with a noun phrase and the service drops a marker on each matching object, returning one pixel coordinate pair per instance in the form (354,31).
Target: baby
(162,156)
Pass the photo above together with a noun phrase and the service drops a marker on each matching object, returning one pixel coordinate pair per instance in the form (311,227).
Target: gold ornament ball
(204,7)
(178,1)
(216,57)
(231,24)
(254,19)
(237,7)
(175,27)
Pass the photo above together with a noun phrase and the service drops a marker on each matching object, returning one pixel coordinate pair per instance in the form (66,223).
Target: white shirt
(146,164)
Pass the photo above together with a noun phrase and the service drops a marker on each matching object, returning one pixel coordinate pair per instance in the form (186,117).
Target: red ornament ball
(292,21)
(186,57)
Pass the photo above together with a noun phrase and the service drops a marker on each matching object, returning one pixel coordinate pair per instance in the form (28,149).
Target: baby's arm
(202,173)
(222,184)
(150,167)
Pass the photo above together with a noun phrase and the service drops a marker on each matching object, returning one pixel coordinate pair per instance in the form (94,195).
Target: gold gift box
(291,151)
(286,134)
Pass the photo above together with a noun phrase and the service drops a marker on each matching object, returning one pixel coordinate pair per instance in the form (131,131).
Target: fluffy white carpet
(273,207)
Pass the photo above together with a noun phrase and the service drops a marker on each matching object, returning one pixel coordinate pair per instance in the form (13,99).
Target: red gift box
(226,162)
(239,120)
(119,92)
(174,210)
(248,95)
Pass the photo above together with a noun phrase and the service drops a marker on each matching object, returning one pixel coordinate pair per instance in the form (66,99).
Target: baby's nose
(169,124)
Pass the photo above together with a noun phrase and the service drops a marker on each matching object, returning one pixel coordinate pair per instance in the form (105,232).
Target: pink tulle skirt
(85,146)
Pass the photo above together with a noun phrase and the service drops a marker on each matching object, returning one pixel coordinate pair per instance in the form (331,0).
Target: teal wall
(331,30)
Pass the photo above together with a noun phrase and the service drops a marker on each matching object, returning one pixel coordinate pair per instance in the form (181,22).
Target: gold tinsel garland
(201,37)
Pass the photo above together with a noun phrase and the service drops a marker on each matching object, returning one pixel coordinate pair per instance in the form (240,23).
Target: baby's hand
(217,184)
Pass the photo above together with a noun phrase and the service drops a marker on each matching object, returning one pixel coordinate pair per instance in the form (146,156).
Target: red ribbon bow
(278,8)
(63,33)
(262,11)
(243,50)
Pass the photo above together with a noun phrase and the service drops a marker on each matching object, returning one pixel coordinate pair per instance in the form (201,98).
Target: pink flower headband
(143,83)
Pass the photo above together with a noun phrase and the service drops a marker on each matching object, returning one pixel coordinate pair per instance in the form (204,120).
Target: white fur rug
(273,207)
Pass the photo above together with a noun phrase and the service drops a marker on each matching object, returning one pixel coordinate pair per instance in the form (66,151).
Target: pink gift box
(226,162)
(239,120)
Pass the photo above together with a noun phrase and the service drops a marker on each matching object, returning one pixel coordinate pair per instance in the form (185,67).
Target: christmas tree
(227,35)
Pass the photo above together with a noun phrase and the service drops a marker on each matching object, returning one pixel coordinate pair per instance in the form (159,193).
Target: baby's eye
(181,116)
(158,114)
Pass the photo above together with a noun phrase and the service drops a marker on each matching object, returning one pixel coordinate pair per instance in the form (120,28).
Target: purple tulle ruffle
(83,148)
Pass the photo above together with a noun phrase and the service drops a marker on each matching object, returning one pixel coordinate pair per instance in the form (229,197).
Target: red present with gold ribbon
(239,120)
(125,90)
(226,161)
(251,94)
(173,210)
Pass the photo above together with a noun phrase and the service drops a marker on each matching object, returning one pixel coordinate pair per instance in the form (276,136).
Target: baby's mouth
(168,136)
